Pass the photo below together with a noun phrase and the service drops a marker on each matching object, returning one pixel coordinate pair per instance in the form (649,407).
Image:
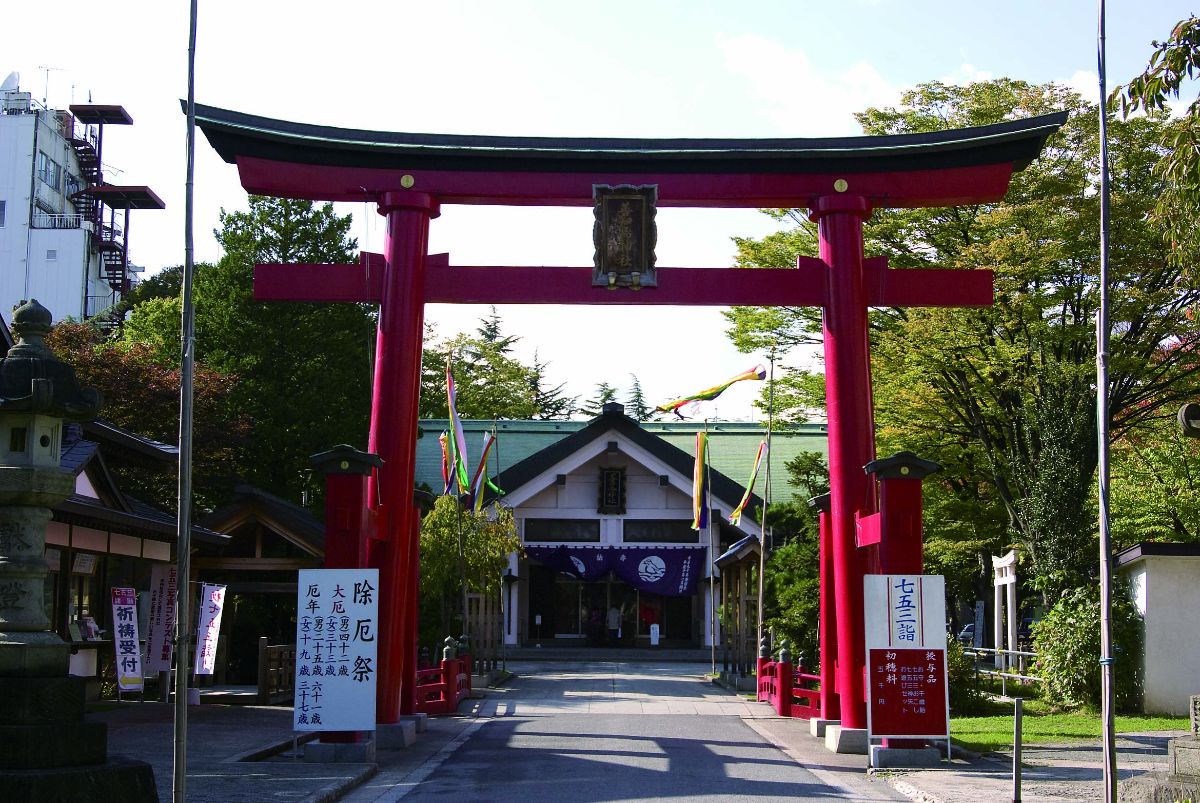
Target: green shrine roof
(732,446)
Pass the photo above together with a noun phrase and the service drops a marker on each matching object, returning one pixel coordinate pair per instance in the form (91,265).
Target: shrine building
(604,512)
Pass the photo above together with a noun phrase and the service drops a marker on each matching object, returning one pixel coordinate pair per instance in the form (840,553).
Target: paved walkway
(591,731)
(621,731)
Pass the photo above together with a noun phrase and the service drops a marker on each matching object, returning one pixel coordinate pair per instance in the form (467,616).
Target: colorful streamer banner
(757,372)
(444,440)
(736,516)
(700,483)
(457,441)
(480,478)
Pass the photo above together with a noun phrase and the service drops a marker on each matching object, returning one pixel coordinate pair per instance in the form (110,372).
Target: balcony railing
(98,304)
(44,220)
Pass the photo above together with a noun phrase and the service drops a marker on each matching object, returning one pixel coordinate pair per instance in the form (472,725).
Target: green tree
(636,406)
(141,394)
(550,402)
(605,393)
(489,383)
(303,369)
(490,332)
(792,600)
(487,539)
(972,388)
(1174,63)
(1156,485)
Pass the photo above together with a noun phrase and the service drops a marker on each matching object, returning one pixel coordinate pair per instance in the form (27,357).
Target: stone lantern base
(47,751)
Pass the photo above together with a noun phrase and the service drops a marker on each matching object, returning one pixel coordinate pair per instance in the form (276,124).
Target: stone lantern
(46,749)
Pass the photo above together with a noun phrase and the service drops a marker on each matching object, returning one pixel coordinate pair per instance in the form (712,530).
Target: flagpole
(712,557)
(762,532)
(1102,435)
(183,548)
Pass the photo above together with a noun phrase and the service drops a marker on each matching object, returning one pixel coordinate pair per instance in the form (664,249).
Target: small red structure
(440,689)
(839,180)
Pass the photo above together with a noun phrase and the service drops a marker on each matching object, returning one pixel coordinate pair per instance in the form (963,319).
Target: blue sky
(699,68)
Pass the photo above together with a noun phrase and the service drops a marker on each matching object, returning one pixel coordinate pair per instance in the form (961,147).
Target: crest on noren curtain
(624,234)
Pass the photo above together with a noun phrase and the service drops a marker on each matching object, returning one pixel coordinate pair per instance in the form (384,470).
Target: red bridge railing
(791,691)
(440,689)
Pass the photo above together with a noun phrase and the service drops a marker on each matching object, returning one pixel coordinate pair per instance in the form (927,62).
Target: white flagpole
(1102,437)
(762,532)
(184,514)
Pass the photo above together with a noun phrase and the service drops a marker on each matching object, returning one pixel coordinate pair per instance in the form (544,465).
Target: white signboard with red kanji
(212,603)
(337,619)
(159,644)
(905,627)
(125,639)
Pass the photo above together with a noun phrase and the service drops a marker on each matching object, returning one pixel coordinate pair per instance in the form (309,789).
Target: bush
(1067,641)
(964,696)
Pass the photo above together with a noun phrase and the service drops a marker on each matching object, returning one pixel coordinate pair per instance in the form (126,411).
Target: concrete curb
(338,789)
(272,749)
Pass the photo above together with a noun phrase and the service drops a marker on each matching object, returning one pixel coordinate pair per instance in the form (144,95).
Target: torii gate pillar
(394,434)
(839,221)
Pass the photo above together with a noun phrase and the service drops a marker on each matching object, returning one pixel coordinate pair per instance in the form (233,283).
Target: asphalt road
(615,732)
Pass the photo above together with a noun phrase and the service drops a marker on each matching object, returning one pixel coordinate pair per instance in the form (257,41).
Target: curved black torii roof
(236,134)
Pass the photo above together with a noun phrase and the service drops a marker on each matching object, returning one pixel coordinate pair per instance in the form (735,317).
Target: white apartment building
(63,229)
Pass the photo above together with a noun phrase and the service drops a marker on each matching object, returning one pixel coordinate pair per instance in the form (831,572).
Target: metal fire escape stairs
(98,202)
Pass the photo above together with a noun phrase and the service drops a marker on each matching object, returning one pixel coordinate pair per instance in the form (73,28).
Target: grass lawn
(1039,726)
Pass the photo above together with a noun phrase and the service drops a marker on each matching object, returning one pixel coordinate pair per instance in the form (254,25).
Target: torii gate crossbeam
(839,180)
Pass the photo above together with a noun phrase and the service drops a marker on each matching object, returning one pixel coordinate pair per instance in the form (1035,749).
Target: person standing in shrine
(614,625)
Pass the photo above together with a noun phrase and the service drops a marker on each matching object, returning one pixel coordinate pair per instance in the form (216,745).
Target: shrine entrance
(840,180)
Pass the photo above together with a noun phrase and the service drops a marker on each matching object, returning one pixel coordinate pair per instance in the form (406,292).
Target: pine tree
(604,394)
(636,407)
(550,402)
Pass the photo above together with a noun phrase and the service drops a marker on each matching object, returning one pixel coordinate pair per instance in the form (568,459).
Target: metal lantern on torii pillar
(840,181)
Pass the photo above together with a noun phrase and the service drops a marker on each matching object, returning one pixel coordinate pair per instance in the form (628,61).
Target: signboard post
(337,618)
(125,640)
(159,647)
(212,602)
(905,626)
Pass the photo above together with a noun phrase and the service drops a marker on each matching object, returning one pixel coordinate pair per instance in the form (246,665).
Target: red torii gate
(409,176)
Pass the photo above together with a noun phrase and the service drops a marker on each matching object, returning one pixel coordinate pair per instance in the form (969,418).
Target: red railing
(442,688)
(792,692)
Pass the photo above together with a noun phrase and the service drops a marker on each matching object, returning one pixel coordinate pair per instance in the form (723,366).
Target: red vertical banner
(907,692)
(905,628)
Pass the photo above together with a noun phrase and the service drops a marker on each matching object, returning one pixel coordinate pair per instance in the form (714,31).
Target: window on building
(663,531)
(2,210)
(543,530)
(51,254)
(49,171)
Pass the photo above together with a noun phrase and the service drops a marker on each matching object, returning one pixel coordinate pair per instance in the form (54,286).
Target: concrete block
(816,727)
(358,753)
(397,735)
(1156,787)
(1183,758)
(846,740)
(331,753)
(421,720)
(904,757)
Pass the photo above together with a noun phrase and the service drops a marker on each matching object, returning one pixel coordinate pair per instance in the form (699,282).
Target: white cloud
(967,73)
(802,100)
